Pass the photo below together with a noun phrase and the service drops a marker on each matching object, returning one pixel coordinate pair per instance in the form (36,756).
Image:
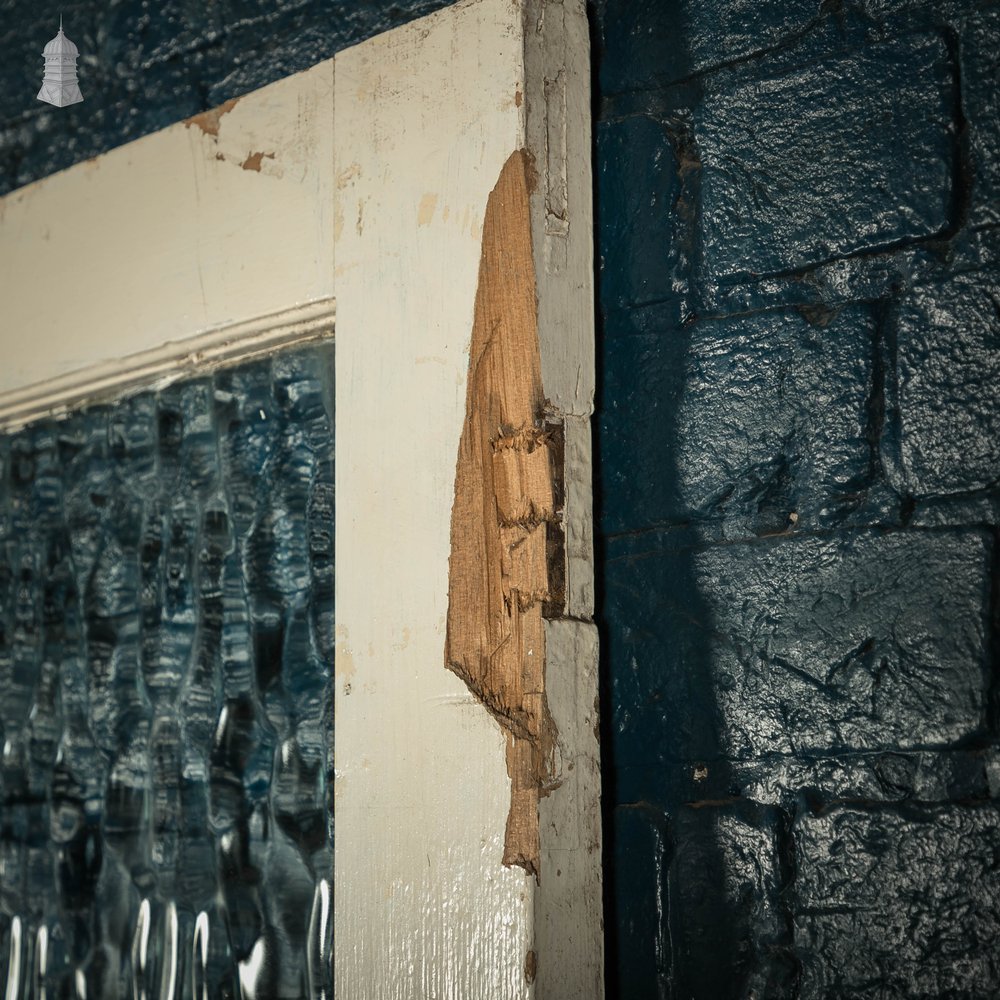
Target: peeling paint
(252,162)
(346,176)
(530,967)
(208,121)
(425,210)
(506,492)
(346,668)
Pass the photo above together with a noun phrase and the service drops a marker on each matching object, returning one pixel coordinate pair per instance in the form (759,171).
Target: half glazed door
(423,202)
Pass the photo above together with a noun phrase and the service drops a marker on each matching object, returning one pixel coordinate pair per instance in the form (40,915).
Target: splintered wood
(506,488)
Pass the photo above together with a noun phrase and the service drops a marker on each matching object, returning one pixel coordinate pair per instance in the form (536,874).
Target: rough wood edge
(568,906)
(505,485)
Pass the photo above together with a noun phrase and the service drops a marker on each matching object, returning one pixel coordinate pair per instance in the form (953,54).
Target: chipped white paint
(169,237)
(233,233)
(423,906)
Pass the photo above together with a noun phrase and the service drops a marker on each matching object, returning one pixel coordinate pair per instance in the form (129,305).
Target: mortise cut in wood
(506,511)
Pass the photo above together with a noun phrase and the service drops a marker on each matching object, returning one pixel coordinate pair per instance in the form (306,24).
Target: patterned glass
(166,670)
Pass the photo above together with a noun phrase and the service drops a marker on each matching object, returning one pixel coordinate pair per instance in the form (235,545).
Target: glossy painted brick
(846,156)
(943,392)
(980,54)
(637,173)
(819,645)
(898,903)
(744,422)
(653,43)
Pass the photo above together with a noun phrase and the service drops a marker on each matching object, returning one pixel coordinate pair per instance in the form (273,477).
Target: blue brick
(639,955)
(980,47)
(859,642)
(728,921)
(849,156)
(886,777)
(943,394)
(643,256)
(652,43)
(743,421)
(898,904)
(698,906)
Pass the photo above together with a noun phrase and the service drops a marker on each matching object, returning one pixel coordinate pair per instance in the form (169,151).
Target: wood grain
(504,489)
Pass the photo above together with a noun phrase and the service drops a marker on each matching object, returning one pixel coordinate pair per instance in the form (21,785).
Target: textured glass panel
(166,668)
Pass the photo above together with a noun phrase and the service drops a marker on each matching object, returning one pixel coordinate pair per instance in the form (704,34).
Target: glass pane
(166,700)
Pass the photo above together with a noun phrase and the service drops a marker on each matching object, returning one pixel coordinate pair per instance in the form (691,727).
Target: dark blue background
(798,454)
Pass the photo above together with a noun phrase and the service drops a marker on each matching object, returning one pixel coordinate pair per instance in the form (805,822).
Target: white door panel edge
(157,366)
(358,188)
(169,237)
(421,784)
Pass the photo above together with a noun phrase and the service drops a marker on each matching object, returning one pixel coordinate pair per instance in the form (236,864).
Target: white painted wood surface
(168,362)
(557,127)
(176,251)
(421,787)
(434,109)
(568,909)
(169,237)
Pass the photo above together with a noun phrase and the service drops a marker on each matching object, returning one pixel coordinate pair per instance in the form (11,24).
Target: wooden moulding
(506,512)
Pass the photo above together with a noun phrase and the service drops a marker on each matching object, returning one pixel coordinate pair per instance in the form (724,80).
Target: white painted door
(428,193)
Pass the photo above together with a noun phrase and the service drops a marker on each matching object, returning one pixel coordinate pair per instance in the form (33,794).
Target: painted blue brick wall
(798,204)
(798,464)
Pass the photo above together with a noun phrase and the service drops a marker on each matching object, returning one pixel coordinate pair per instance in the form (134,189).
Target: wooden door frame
(355,193)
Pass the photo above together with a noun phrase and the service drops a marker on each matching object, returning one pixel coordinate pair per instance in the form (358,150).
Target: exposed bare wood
(208,121)
(498,579)
(252,162)
(522,477)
